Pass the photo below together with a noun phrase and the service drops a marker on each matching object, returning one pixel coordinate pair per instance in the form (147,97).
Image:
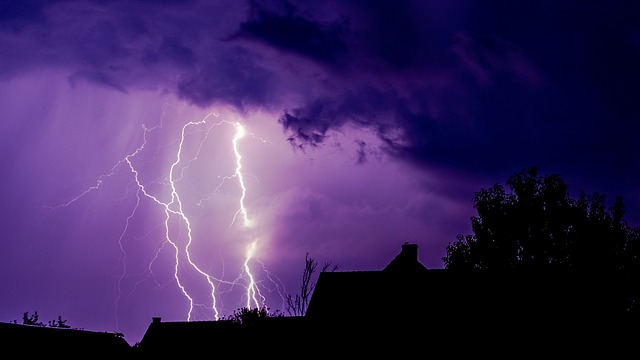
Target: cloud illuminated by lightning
(177,225)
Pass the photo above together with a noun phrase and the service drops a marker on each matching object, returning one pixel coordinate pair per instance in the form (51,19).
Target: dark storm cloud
(172,50)
(427,86)
(482,86)
(230,77)
(99,78)
(477,85)
(135,45)
(292,32)
(15,14)
(363,106)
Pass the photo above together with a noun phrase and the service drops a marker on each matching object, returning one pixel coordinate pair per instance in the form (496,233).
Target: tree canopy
(539,226)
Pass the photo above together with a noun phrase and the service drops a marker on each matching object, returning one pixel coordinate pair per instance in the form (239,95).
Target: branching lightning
(177,225)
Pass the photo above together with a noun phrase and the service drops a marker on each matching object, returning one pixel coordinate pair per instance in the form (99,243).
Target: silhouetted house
(222,337)
(372,295)
(405,308)
(470,312)
(31,341)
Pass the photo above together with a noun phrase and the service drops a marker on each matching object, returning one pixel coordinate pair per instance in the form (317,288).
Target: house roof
(406,291)
(372,294)
(217,337)
(41,340)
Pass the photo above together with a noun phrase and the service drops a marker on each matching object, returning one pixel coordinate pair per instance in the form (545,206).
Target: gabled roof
(372,294)
(407,292)
(45,341)
(219,337)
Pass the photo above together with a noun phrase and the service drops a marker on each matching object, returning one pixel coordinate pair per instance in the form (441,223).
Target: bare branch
(297,306)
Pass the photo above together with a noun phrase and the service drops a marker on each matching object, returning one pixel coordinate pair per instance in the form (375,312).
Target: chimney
(156,320)
(409,252)
(407,260)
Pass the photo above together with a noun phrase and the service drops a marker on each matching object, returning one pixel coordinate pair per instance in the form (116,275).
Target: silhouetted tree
(297,305)
(539,226)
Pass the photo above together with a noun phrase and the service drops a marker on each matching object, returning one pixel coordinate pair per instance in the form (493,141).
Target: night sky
(180,158)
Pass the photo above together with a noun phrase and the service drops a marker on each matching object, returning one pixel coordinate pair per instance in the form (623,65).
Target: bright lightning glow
(168,195)
(240,133)
(252,291)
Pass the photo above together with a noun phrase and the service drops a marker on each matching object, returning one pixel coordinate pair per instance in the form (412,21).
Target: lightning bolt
(252,290)
(239,134)
(177,225)
(174,208)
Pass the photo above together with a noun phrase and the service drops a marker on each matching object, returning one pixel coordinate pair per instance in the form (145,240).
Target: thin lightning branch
(124,253)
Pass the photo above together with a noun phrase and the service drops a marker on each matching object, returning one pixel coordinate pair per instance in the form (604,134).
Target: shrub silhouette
(250,316)
(33,319)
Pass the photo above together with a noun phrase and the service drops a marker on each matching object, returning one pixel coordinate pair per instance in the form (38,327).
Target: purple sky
(368,124)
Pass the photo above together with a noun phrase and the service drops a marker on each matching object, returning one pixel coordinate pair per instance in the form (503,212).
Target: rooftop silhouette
(400,308)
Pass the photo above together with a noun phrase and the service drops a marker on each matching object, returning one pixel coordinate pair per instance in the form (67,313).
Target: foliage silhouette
(538,226)
(250,316)
(33,319)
